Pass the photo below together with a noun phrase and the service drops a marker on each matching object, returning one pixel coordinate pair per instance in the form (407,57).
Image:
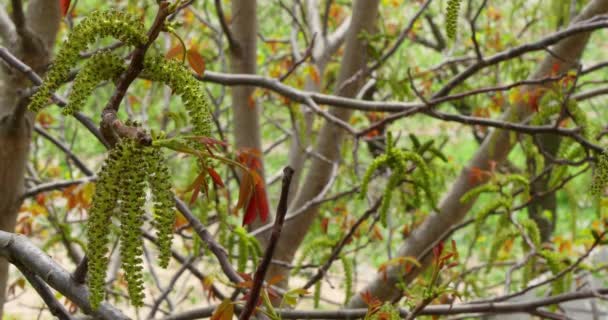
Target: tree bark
(33,44)
(245,110)
(495,149)
(329,139)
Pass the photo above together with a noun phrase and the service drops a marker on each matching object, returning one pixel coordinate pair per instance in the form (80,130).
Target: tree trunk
(245,110)
(329,138)
(33,45)
(494,149)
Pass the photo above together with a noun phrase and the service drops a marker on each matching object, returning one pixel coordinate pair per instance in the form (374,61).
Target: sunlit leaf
(196,61)
(224,311)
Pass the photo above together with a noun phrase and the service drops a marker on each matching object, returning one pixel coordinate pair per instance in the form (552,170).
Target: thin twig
(55,307)
(260,273)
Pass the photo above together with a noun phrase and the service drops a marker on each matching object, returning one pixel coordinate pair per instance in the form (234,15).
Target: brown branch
(234,46)
(335,253)
(260,273)
(110,124)
(530,306)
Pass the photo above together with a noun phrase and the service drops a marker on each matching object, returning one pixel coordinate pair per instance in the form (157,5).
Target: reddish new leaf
(245,190)
(196,61)
(225,311)
(215,177)
(196,186)
(64,5)
(251,211)
(262,204)
(175,52)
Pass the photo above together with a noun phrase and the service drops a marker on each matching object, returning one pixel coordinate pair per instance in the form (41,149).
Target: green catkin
(132,199)
(315,245)
(531,229)
(159,181)
(180,80)
(98,227)
(386,312)
(393,181)
(102,66)
(451,18)
(367,177)
(600,176)
(555,264)
(317,294)
(475,192)
(243,254)
(120,25)
(347,265)
(397,160)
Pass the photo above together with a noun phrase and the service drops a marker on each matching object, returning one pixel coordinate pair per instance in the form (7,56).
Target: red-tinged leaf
(64,5)
(245,190)
(196,186)
(246,277)
(251,102)
(314,74)
(276,279)
(555,68)
(251,211)
(324,225)
(196,61)
(476,175)
(261,201)
(215,177)
(224,311)
(175,52)
(209,141)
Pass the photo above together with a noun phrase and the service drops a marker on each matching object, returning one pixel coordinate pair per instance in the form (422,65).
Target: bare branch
(55,307)
(19,249)
(260,273)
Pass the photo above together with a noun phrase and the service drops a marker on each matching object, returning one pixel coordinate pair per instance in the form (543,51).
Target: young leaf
(65,6)
(262,204)
(196,186)
(251,211)
(175,52)
(225,311)
(196,61)
(215,177)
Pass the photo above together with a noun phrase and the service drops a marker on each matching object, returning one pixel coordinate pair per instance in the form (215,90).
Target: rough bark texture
(34,47)
(329,138)
(245,111)
(494,148)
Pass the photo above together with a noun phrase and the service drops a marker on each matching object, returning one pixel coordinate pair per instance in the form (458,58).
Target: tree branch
(19,250)
(260,273)
(55,307)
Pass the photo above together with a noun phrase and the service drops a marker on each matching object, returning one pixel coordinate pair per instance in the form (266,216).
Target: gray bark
(245,116)
(33,46)
(495,147)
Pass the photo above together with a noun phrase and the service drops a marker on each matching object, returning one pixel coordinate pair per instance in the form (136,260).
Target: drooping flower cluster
(121,193)
(398,161)
(120,25)
(451,18)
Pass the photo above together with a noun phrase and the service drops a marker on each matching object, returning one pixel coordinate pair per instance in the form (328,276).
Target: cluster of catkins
(398,160)
(131,171)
